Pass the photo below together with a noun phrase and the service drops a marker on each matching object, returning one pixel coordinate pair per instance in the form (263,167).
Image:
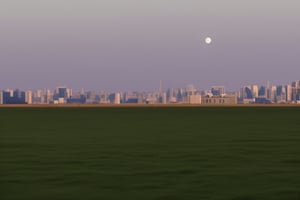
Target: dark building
(17,97)
(262,91)
(248,93)
(62,93)
(81,100)
(132,100)
(261,100)
(6,97)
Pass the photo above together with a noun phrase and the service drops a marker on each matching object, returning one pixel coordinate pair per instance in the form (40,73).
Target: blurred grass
(237,153)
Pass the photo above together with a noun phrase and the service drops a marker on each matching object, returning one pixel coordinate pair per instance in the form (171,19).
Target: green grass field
(237,153)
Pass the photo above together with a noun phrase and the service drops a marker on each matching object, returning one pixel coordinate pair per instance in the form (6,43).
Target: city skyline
(132,45)
(247,94)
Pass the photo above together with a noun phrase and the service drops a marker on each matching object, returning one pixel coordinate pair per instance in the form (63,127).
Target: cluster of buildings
(270,94)
(188,95)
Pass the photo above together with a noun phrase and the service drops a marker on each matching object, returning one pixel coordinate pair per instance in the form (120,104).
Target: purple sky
(122,45)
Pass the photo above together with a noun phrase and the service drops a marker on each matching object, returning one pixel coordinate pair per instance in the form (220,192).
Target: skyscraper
(289,94)
(62,93)
(254,89)
(162,95)
(117,98)
(218,90)
(48,96)
(28,97)
(262,92)
(268,90)
(273,94)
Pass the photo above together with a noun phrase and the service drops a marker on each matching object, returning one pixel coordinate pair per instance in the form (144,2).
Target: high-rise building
(273,94)
(164,98)
(9,92)
(268,90)
(38,97)
(48,96)
(246,93)
(254,89)
(281,94)
(296,84)
(28,97)
(140,98)
(295,91)
(162,95)
(262,92)
(13,97)
(289,93)
(63,92)
(218,90)
(69,92)
(19,96)
(178,95)
(117,98)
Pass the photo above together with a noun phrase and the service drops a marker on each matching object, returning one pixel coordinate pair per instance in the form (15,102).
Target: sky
(121,45)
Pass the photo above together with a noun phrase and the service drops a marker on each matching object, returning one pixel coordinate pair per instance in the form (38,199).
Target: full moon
(208,40)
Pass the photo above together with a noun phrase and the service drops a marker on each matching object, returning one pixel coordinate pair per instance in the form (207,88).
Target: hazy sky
(132,44)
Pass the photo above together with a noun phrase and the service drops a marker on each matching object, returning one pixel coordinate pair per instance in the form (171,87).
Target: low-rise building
(216,100)
(194,99)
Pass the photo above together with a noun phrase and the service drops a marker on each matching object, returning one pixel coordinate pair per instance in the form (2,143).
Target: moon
(208,40)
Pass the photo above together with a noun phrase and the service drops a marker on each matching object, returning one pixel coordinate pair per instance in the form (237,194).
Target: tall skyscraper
(254,89)
(48,96)
(69,92)
(268,90)
(28,97)
(289,94)
(117,98)
(247,93)
(281,94)
(262,92)
(162,95)
(273,94)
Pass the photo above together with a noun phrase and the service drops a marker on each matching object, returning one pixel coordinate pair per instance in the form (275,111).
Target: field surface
(209,153)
